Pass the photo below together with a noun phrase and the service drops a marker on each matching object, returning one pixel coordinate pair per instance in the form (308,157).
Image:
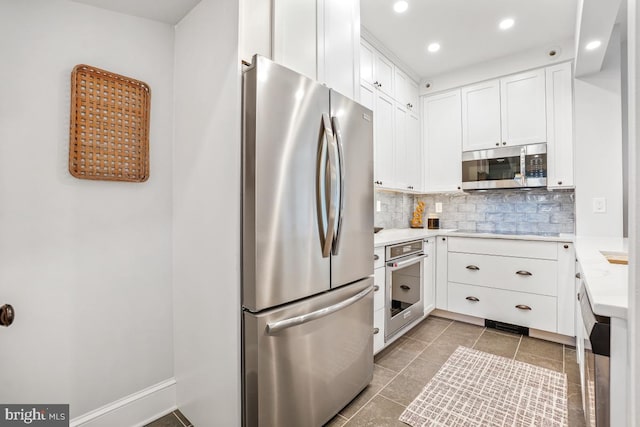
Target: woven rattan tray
(109,133)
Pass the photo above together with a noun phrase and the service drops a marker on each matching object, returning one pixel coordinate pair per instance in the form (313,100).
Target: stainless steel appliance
(507,167)
(307,281)
(596,371)
(404,271)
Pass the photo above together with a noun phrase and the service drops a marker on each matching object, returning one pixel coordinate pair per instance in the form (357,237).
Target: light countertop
(606,283)
(397,235)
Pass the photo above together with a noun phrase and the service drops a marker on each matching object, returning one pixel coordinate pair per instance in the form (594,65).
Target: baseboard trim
(137,409)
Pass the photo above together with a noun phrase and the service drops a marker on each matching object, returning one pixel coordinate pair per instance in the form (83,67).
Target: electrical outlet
(438,207)
(378,206)
(599,205)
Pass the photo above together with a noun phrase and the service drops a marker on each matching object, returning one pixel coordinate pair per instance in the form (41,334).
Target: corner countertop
(607,284)
(397,235)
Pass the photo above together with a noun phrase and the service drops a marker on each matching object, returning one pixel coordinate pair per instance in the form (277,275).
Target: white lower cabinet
(526,283)
(378,330)
(378,288)
(429,279)
(378,301)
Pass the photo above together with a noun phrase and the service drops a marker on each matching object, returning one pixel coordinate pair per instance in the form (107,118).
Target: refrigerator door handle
(333,184)
(340,147)
(275,327)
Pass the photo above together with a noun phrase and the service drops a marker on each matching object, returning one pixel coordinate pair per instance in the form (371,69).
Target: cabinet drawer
(499,304)
(505,247)
(536,276)
(378,325)
(378,257)
(378,295)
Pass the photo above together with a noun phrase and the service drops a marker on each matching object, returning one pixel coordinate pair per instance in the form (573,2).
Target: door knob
(7,314)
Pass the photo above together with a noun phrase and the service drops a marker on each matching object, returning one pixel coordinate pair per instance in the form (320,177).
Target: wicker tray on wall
(109,133)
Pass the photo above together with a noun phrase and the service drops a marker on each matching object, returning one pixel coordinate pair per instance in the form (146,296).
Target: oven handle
(278,326)
(393,265)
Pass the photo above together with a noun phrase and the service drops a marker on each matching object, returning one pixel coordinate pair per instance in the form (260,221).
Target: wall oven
(404,273)
(507,167)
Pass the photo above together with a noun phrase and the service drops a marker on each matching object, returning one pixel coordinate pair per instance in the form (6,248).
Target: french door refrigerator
(307,245)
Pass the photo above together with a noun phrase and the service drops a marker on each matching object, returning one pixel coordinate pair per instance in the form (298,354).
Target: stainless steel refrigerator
(307,245)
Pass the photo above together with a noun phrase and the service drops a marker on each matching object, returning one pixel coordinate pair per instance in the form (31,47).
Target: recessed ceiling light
(507,23)
(400,6)
(593,45)
(433,47)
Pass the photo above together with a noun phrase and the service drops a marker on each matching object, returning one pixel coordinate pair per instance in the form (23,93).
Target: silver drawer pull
(376,331)
(376,257)
(523,307)
(578,275)
(474,299)
(472,267)
(523,273)
(376,288)
(405,287)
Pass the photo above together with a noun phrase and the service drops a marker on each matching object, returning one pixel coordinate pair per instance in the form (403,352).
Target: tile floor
(174,419)
(406,366)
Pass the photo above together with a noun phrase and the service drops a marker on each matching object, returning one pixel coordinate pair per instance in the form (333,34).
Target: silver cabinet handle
(338,140)
(376,288)
(523,307)
(376,257)
(474,299)
(376,331)
(523,273)
(405,287)
(472,267)
(394,265)
(577,275)
(7,315)
(275,327)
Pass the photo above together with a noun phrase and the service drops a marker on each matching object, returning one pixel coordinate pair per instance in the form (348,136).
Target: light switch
(599,205)
(438,207)
(378,206)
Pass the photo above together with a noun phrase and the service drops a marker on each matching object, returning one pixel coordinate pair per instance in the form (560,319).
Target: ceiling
(168,11)
(467,30)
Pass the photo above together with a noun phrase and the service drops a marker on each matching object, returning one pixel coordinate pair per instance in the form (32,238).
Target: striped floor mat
(474,389)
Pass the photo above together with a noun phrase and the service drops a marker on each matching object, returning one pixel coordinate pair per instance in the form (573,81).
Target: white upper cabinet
(406,91)
(504,112)
(295,38)
(375,69)
(414,153)
(407,150)
(481,116)
(442,132)
(559,126)
(383,141)
(523,108)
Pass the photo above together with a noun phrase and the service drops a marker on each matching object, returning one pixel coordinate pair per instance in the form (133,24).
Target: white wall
(598,146)
(86,264)
(206,190)
(522,61)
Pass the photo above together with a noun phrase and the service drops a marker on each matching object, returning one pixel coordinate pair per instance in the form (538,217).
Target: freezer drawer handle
(472,267)
(474,299)
(275,327)
(523,273)
(523,307)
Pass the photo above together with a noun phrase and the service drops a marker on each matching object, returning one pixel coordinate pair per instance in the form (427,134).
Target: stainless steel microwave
(507,167)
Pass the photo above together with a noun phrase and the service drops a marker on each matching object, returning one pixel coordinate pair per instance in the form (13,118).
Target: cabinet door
(368,97)
(559,126)
(413,96)
(441,273)
(339,46)
(400,88)
(401,175)
(429,279)
(442,141)
(294,35)
(383,141)
(366,63)
(481,116)
(523,109)
(414,153)
(383,74)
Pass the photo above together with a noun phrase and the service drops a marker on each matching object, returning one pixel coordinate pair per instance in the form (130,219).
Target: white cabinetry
(406,93)
(378,299)
(317,38)
(408,150)
(375,69)
(383,140)
(527,283)
(442,250)
(481,116)
(559,126)
(442,132)
(429,279)
(504,112)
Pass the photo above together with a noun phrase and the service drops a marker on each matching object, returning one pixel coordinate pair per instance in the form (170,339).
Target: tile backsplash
(536,210)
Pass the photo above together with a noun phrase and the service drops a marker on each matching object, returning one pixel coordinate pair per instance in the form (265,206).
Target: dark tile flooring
(403,369)
(174,419)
